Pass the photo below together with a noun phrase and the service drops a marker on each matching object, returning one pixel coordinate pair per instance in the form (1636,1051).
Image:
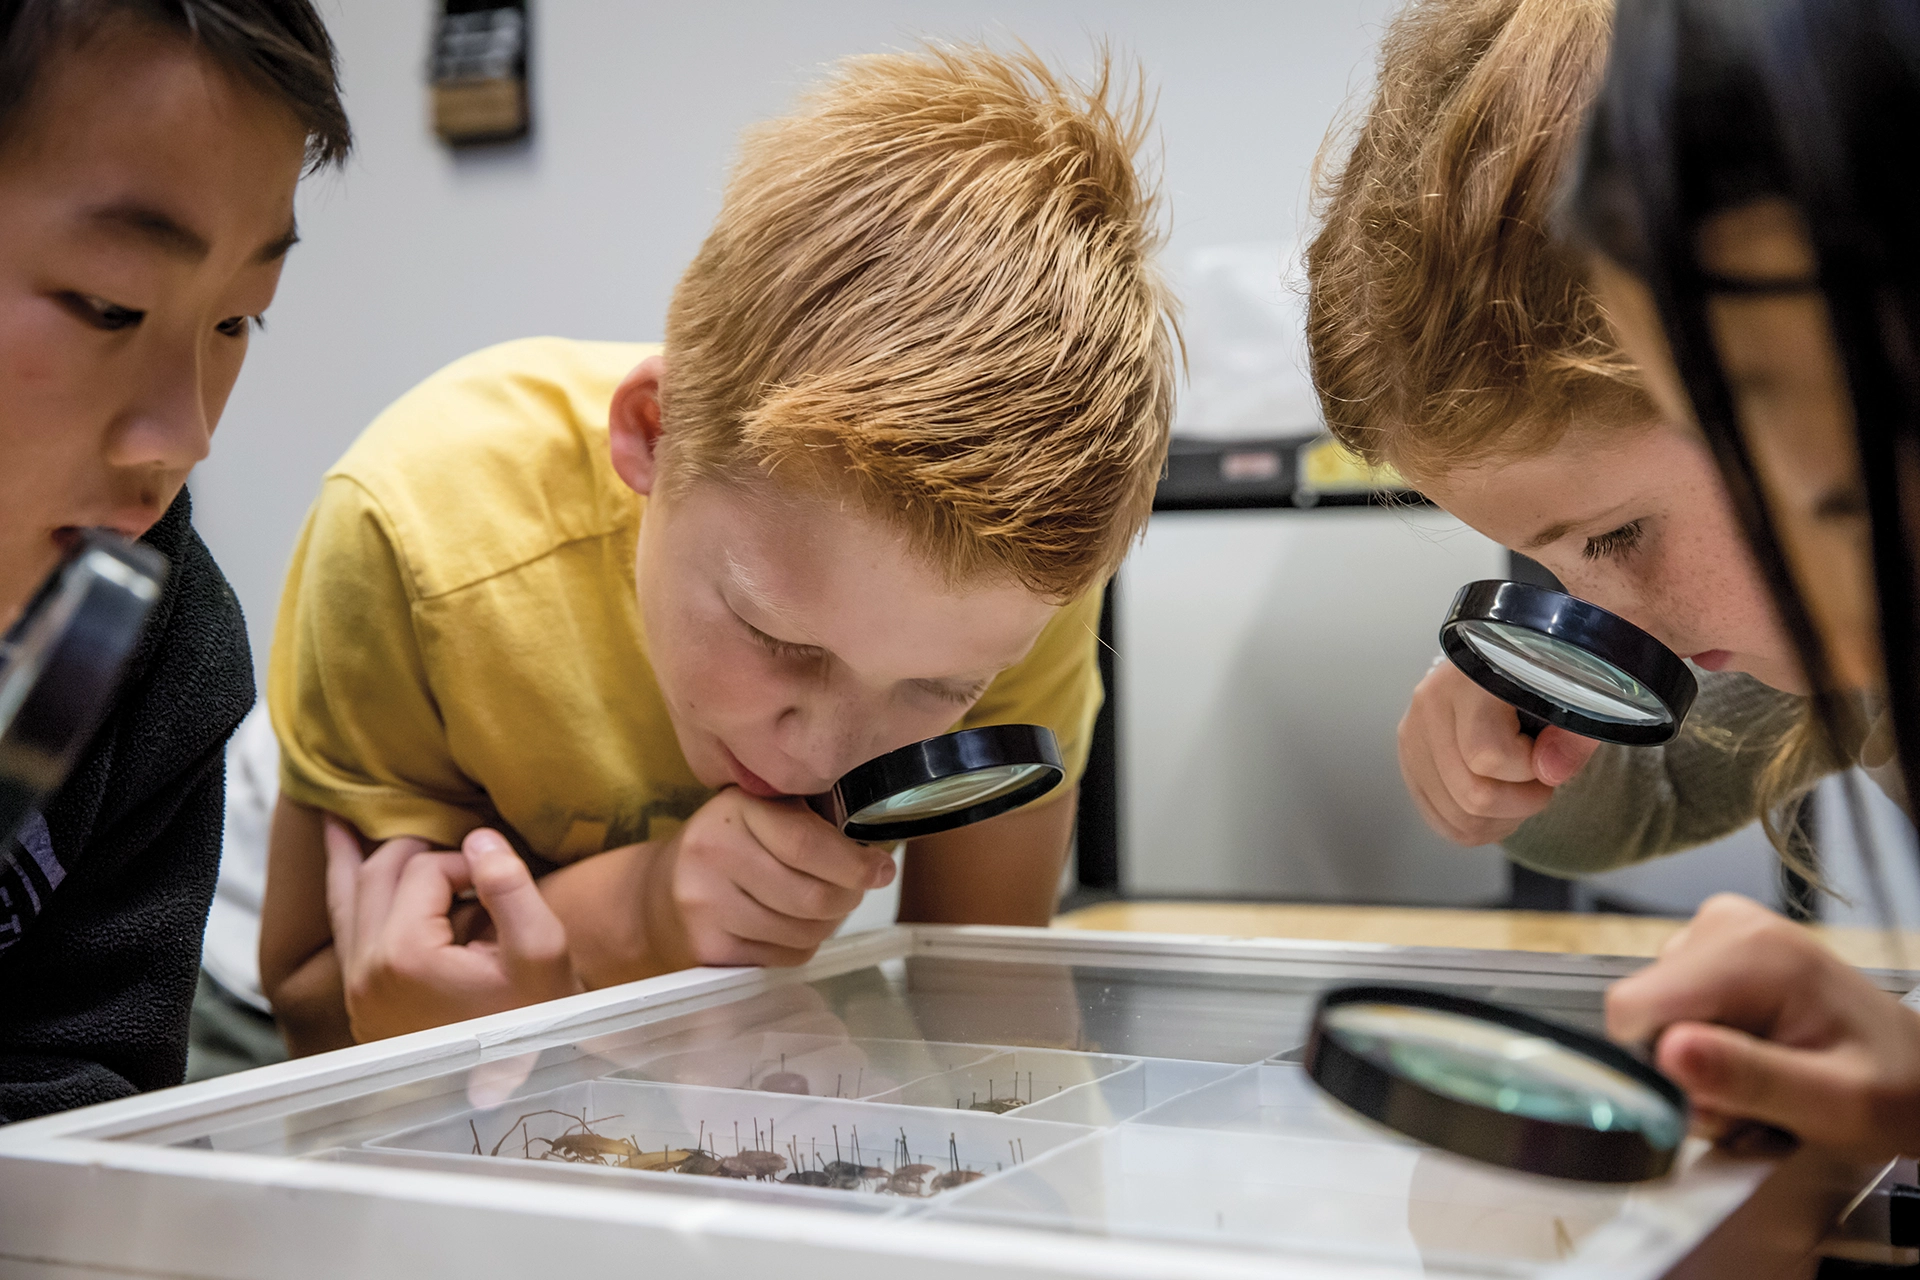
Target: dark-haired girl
(1751,187)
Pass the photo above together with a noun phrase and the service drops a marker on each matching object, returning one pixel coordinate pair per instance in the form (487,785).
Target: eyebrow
(750,587)
(160,230)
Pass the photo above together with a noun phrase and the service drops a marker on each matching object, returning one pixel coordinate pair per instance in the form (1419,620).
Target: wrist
(614,932)
(670,946)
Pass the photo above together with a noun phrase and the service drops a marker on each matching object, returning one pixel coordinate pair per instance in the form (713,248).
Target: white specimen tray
(1063,1104)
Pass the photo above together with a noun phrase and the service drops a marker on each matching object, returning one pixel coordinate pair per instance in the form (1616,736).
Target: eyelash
(113,318)
(780,648)
(803,653)
(100,313)
(238,326)
(960,697)
(1614,545)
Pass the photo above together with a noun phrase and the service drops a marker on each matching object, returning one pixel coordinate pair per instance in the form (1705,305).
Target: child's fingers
(376,882)
(1558,756)
(1734,1074)
(1488,739)
(780,888)
(421,900)
(807,843)
(530,935)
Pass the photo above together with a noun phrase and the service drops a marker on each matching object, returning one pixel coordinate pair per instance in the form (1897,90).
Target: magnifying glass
(1496,1084)
(61,662)
(1566,662)
(950,781)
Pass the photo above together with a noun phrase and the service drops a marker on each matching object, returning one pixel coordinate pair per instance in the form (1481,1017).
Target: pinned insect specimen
(581,1143)
(955,1176)
(1000,1106)
(785,1081)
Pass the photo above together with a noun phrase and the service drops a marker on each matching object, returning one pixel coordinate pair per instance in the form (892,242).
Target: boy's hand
(1758,1021)
(755,881)
(400,966)
(1473,775)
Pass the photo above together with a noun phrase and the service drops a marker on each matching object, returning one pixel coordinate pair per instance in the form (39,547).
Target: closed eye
(99,313)
(783,648)
(237,326)
(964,695)
(1615,544)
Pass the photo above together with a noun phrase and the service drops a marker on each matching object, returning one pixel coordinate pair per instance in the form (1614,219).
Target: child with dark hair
(1749,183)
(149,152)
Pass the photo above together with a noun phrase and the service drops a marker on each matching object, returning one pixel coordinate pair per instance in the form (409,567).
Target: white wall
(415,255)
(1265,659)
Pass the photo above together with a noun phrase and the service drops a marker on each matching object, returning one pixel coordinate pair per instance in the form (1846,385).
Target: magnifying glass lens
(951,781)
(946,795)
(1565,673)
(1504,1069)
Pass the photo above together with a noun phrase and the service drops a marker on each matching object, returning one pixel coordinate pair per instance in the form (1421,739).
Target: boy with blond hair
(622,604)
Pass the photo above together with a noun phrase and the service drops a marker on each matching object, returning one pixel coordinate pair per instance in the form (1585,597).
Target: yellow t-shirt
(459,642)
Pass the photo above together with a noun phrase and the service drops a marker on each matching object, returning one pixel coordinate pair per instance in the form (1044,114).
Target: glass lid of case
(1137,1103)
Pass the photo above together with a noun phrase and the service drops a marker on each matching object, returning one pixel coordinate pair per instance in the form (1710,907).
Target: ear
(634,425)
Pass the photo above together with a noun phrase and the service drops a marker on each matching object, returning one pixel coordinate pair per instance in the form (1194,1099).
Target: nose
(165,426)
(830,732)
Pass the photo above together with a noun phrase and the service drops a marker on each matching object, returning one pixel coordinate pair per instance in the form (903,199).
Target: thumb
(1728,1072)
(528,930)
(1559,755)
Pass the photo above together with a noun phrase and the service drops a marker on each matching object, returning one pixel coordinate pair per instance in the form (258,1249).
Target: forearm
(618,908)
(310,1006)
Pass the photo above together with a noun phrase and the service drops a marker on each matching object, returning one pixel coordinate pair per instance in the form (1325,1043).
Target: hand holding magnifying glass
(1565,662)
(950,781)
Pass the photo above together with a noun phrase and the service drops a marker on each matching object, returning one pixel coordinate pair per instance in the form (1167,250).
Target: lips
(131,527)
(747,780)
(1711,659)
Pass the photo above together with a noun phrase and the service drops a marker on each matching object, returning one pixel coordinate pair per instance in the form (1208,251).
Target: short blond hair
(934,284)
(1446,324)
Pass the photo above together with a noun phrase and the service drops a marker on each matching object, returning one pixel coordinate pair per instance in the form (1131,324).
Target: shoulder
(496,459)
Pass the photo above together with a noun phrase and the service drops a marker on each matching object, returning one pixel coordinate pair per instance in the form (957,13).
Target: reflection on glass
(1504,1069)
(1131,1102)
(948,795)
(1565,674)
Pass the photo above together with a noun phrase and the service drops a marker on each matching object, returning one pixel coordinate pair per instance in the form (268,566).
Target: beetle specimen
(1000,1106)
(955,1176)
(580,1143)
(785,1081)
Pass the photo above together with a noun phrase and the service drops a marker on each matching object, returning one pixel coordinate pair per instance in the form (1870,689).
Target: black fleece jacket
(95,994)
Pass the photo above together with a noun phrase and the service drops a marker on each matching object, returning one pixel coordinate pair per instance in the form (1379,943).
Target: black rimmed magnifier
(1496,1084)
(61,662)
(1566,662)
(950,781)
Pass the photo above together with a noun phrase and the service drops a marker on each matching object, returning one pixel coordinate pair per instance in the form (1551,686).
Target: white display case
(915,1102)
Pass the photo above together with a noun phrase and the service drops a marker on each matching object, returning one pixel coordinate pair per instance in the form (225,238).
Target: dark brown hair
(281,46)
